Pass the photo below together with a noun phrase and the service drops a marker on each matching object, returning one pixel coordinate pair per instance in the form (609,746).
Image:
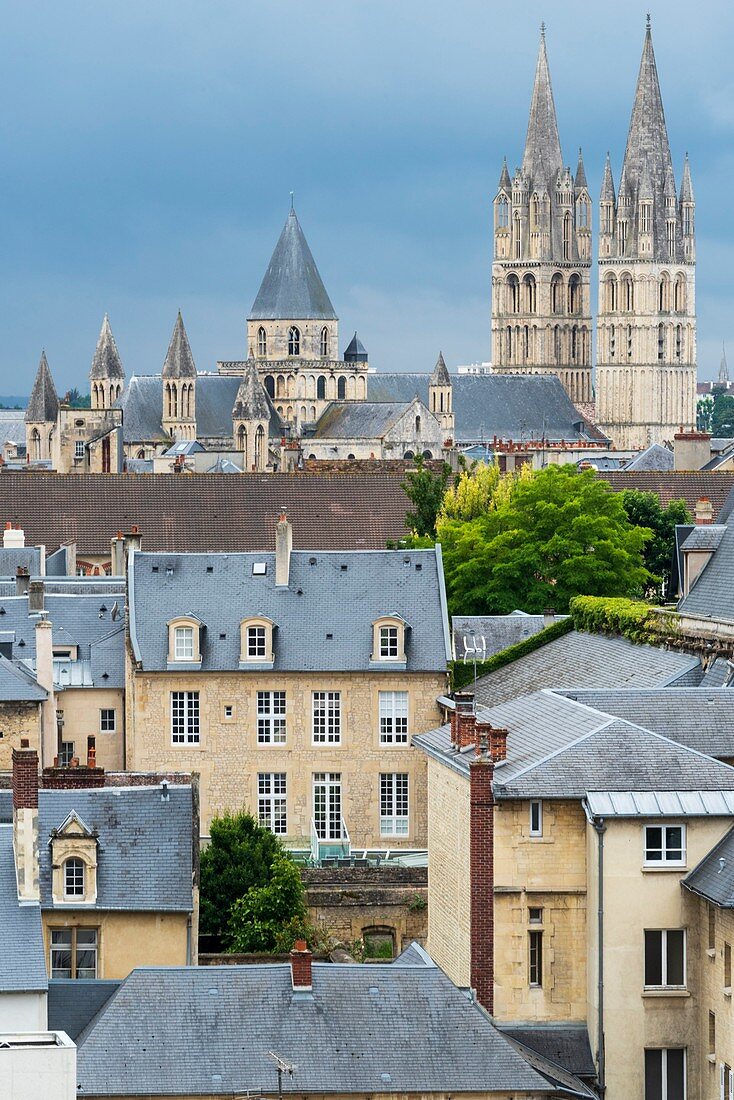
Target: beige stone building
(292,683)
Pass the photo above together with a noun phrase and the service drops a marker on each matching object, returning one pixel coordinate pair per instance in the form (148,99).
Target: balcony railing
(330,847)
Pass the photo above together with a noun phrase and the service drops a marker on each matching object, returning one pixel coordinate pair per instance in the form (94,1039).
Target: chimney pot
(704,512)
(301,959)
(464,726)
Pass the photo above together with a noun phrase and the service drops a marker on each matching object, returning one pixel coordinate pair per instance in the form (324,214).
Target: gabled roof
(73,1002)
(251,402)
(364,1029)
(713,878)
(358,420)
(22,958)
(492,633)
(712,593)
(106,362)
(566,1044)
(43,405)
(676,485)
(179,362)
(542,159)
(655,457)
(18,684)
(292,288)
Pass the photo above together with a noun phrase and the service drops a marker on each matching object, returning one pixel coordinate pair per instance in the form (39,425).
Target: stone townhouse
(558,838)
(292,682)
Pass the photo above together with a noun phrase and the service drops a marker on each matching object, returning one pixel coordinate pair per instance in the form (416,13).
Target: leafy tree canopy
(76,400)
(722,420)
(561,533)
(704,413)
(272,916)
(425,488)
(478,491)
(239,857)
(644,510)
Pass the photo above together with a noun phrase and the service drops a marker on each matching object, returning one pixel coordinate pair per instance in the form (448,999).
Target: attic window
(419,566)
(259,568)
(154,569)
(312,561)
(169,570)
(210,568)
(344,568)
(329,637)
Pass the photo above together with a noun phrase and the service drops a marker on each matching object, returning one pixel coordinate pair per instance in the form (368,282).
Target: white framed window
(185,717)
(294,340)
(327,717)
(327,805)
(389,641)
(394,804)
(665,845)
(78,448)
(107,720)
(393,708)
(256,642)
(183,643)
(228,711)
(271,717)
(665,958)
(74,878)
(665,1074)
(535,958)
(536,818)
(272,802)
(67,753)
(73,952)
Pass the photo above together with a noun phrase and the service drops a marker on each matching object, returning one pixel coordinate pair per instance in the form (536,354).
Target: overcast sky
(148,150)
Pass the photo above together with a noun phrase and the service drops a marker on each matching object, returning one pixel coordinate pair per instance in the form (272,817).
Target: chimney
(13,537)
(70,548)
(91,751)
(704,512)
(25,822)
(692,450)
(283,547)
(463,722)
(492,739)
(35,597)
(549,617)
(481,876)
(117,555)
(45,679)
(22,580)
(301,959)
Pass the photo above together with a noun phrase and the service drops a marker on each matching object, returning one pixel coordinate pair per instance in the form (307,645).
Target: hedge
(635,620)
(462,672)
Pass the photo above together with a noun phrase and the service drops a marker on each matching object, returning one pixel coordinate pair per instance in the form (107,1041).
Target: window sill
(183,666)
(255,664)
(387,664)
(676,868)
(656,993)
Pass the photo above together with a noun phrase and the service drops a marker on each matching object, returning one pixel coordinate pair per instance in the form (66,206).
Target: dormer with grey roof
(106,376)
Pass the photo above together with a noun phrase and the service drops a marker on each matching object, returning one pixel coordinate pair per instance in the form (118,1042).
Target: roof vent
(165,793)
(169,570)
(312,561)
(418,566)
(2,610)
(344,568)
(154,569)
(329,637)
(210,568)
(259,568)
(722,864)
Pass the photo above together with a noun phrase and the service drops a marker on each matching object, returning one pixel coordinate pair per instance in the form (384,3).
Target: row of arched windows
(523,298)
(101,394)
(569,344)
(178,403)
(674,343)
(620,294)
(322,387)
(259,441)
(294,342)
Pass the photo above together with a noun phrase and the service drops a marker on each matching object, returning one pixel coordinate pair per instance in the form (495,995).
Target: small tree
(239,857)
(425,489)
(644,510)
(722,420)
(270,917)
(704,413)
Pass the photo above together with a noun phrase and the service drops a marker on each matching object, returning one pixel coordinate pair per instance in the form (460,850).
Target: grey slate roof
(323,599)
(106,362)
(144,854)
(357,420)
(18,685)
(43,405)
(73,1002)
(251,402)
(712,878)
(567,1044)
(492,633)
(712,593)
(508,406)
(584,660)
(701,718)
(440,376)
(12,426)
(365,1029)
(718,674)
(292,288)
(542,159)
(705,536)
(654,457)
(355,351)
(179,362)
(27,557)
(22,954)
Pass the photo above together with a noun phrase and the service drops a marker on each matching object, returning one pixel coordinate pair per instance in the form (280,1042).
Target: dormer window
(388,641)
(74,863)
(74,878)
(256,642)
(184,641)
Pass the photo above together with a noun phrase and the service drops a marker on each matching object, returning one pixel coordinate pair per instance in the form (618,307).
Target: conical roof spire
(106,362)
(251,402)
(723,367)
(505,184)
(355,351)
(647,141)
(542,159)
(580,181)
(292,288)
(440,376)
(179,360)
(686,187)
(43,405)
(607,187)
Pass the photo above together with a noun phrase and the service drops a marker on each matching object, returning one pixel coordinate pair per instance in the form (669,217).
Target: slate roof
(12,426)
(27,557)
(509,406)
(292,288)
(542,159)
(43,404)
(655,457)
(22,954)
(496,632)
(73,1002)
(357,420)
(144,844)
(206,511)
(18,685)
(700,718)
(364,1029)
(705,536)
(713,879)
(676,485)
(440,376)
(589,660)
(567,1044)
(179,362)
(355,351)
(712,594)
(106,362)
(718,674)
(251,402)
(323,598)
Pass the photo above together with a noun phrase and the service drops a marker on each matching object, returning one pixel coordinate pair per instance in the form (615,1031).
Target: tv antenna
(282,1067)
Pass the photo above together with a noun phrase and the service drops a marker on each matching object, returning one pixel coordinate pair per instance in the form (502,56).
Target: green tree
(644,510)
(239,857)
(704,413)
(425,489)
(722,420)
(561,533)
(272,916)
(76,400)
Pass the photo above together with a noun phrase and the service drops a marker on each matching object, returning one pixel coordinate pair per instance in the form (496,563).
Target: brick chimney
(35,597)
(692,450)
(22,580)
(283,548)
(494,739)
(481,875)
(13,537)
(25,821)
(463,720)
(301,959)
(704,512)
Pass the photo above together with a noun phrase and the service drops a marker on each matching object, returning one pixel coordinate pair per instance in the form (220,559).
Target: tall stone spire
(251,402)
(179,360)
(292,289)
(505,183)
(440,376)
(43,406)
(686,187)
(580,180)
(607,187)
(106,363)
(723,367)
(542,160)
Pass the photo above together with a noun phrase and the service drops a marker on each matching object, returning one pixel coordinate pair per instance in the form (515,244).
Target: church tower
(106,377)
(251,420)
(646,334)
(42,414)
(440,397)
(541,305)
(179,386)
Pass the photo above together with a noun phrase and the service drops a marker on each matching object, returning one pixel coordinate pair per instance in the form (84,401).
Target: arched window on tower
(270,385)
(321,388)
(503,212)
(262,343)
(509,343)
(678,342)
(629,341)
(582,214)
(324,343)
(341,388)
(679,303)
(567,237)
(557,345)
(535,212)
(611,295)
(518,237)
(513,293)
(556,290)
(525,343)
(530,293)
(36,443)
(661,342)
(628,294)
(664,293)
(259,446)
(574,294)
(574,344)
(294,340)
(242,438)
(612,342)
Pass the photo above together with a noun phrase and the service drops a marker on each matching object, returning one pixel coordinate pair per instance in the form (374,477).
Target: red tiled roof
(676,485)
(207,511)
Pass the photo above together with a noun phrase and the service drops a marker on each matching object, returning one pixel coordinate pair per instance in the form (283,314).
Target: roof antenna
(648,20)
(291,202)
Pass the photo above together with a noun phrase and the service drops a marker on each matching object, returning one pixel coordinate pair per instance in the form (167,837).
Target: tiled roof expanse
(701,718)
(718,674)
(497,632)
(22,959)
(364,1029)
(712,593)
(329,594)
(676,485)
(714,875)
(144,855)
(73,1002)
(206,511)
(567,1044)
(588,660)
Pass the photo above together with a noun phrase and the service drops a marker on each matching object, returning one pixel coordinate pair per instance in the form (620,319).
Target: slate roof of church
(106,362)
(22,958)
(712,594)
(292,288)
(43,404)
(179,362)
(18,684)
(251,402)
(712,878)
(329,511)
(363,1029)
(356,420)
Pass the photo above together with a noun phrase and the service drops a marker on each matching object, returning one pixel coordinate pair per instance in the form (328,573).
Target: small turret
(106,376)
(687,213)
(42,413)
(251,419)
(505,183)
(440,397)
(179,386)
(580,183)
(355,351)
